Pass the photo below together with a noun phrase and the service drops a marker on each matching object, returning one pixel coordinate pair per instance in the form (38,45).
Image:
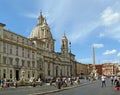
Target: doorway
(17,75)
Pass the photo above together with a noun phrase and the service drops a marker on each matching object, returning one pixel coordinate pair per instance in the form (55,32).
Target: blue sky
(86,23)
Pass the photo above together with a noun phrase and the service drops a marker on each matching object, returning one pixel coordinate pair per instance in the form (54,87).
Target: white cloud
(109,16)
(110,52)
(101,35)
(110,61)
(31,15)
(98,45)
(118,54)
(67,18)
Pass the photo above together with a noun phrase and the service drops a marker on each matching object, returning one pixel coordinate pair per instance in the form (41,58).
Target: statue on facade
(22,79)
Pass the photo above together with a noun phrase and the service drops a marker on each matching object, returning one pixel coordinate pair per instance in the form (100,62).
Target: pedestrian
(112,78)
(103,78)
(59,83)
(115,79)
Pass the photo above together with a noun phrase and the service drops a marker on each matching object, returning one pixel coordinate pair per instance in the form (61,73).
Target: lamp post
(70,59)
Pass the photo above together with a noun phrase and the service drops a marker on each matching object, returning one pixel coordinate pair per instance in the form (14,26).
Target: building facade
(108,69)
(34,56)
(82,69)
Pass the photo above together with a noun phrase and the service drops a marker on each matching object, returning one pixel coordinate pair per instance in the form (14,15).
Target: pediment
(57,59)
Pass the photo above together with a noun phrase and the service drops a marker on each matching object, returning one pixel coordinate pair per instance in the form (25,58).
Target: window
(17,39)
(16,47)
(4,60)
(0,74)
(23,63)
(33,64)
(39,65)
(4,48)
(23,41)
(22,54)
(33,54)
(33,74)
(47,45)
(11,61)
(16,50)
(11,74)
(28,74)
(48,66)
(11,37)
(56,70)
(4,73)
(27,42)
(11,49)
(28,54)
(48,69)
(17,62)
(28,63)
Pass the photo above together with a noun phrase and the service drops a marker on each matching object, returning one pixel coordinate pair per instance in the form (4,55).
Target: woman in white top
(103,78)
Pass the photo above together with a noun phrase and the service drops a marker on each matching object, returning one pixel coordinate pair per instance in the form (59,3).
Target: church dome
(36,32)
(41,30)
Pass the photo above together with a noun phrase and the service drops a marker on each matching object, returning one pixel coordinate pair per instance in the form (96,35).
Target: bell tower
(64,46)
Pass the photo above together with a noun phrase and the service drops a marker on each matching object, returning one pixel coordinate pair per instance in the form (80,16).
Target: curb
(58,90)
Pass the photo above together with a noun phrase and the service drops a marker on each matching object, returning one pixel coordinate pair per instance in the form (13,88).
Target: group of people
(115,80)
(66,81)
(7,83)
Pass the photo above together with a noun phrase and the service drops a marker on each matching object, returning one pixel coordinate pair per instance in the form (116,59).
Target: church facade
(34,56)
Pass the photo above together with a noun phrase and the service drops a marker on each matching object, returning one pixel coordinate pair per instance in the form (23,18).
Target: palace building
(34,56)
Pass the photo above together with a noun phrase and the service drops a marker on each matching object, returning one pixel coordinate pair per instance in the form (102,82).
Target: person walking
(112,79)
(103,78)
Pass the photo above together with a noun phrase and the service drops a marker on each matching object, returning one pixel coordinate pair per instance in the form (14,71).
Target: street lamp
(70,59)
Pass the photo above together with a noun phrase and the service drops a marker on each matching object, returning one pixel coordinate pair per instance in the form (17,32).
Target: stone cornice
(18,44)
